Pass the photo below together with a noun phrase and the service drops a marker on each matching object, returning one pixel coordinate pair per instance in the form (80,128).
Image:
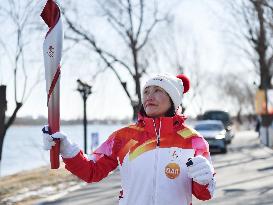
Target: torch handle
(54,124)
(54,155)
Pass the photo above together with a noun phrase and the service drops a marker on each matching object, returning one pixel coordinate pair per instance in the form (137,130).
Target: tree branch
(115,20)
(149,30)
(130,14)
(118,30)
(140,19)
(148,33)
(100,52)
(13,116)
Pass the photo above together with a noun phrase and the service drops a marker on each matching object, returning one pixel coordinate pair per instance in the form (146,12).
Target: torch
(52,51)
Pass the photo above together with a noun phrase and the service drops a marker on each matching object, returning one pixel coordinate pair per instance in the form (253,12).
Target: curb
(267,149)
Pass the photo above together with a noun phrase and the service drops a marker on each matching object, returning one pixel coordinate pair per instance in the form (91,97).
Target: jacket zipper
(156,159)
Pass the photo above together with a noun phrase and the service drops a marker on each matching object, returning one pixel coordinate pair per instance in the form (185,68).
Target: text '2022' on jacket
(151,156)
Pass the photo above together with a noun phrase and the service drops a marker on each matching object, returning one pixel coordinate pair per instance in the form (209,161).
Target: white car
(225,118)
(215,134)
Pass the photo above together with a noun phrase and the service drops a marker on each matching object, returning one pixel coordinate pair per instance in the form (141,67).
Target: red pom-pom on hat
(186,82)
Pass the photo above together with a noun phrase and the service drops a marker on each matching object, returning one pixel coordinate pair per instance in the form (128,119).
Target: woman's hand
(200,170)
(67,149)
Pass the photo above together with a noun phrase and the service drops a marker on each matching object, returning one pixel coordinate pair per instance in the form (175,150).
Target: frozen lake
(23,150)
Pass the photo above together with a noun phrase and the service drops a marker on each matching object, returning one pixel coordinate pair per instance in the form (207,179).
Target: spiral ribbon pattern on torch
(52,48)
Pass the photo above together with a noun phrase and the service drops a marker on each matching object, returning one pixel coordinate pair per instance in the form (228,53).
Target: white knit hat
(174,86)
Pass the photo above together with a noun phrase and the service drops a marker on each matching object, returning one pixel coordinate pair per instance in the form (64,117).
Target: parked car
(224,117)
(215,134)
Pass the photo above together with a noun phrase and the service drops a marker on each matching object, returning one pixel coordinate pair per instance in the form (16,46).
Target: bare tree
(134,23)
(234,88)
(198,78)
(255,18)
(19,16)
(182,55)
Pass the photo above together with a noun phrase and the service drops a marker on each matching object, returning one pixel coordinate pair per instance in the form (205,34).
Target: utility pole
(85,91)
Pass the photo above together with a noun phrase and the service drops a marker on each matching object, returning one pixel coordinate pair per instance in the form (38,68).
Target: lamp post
(85,91)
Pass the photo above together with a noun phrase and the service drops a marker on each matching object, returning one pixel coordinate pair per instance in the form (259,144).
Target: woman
(161,160)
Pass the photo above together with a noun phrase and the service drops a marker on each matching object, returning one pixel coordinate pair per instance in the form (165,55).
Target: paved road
(244,176)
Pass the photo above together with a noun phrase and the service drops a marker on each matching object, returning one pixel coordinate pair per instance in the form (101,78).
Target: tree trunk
(3,124)
(238,116)
(261,47)
(3,108)
(136,105)
(135,110)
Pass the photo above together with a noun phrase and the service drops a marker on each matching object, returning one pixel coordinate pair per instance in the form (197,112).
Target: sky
(108,101)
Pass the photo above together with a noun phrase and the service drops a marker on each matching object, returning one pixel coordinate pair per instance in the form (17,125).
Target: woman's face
(156,101)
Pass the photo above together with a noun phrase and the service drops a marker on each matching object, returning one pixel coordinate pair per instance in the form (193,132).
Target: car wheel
(224,149)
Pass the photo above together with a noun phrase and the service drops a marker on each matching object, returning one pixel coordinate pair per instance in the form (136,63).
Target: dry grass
(26,187)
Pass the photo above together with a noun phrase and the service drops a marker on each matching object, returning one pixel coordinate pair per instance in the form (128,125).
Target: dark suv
(222,116)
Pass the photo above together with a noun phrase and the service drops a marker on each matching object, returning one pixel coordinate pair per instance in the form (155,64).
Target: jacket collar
(166,124)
